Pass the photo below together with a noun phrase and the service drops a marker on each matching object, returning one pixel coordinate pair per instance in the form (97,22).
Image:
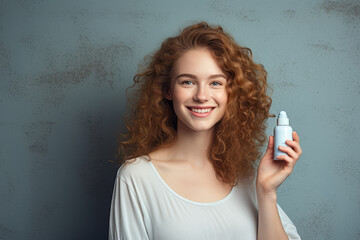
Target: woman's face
(198,90)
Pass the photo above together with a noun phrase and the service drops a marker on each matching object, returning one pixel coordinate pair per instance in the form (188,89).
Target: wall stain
(289,13)
(322,46)
(16,86)
(52,97)
(2,13)
(103,61)
(5,67)
(96,64)
(224,8)
(343,115)
(77,15)
(347,8)
(246,17)
(349,170)
(317,221)
(65,79)
(37,134)
(282,80)
(31,7)
(30,43)
(6,233)
(62,69)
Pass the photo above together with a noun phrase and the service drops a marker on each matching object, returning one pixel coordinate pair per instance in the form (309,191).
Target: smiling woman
(188,161)
(197,90)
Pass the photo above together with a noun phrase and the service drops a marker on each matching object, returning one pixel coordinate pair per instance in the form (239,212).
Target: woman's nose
(202,94)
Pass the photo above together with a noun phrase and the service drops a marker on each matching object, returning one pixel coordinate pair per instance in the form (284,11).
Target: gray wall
(64,68)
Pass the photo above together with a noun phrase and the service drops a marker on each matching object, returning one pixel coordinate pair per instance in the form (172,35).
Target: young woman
(194,138)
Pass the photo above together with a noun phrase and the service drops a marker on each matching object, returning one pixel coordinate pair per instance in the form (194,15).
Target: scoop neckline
(181,197)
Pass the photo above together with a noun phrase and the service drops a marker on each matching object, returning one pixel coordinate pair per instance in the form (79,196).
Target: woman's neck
(192,146)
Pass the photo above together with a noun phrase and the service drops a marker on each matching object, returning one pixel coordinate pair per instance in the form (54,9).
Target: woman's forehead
(198,61)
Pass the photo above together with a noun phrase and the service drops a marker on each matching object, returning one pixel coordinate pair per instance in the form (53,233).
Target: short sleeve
(126,214)
(288,225)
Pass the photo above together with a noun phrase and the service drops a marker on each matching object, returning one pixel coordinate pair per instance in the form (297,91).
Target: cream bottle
(282,132)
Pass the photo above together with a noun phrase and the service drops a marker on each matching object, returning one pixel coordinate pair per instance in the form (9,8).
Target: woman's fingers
(296,137)
(294,145)
(294,151)
(290,162)
(289,151)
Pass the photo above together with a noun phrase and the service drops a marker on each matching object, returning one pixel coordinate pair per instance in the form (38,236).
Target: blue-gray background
(64,68)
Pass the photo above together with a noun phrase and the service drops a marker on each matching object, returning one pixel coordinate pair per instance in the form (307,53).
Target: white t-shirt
(144,207)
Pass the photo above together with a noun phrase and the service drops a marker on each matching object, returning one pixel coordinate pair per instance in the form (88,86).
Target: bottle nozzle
(283,119)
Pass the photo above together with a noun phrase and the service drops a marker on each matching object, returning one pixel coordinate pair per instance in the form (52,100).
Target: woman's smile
(201,111)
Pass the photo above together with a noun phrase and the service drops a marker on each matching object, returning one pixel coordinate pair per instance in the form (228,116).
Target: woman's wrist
(265,193)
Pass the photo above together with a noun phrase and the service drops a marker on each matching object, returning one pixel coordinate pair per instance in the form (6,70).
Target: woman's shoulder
(133,168)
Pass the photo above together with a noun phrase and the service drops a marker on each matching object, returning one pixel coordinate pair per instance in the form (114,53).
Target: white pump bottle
(282,132)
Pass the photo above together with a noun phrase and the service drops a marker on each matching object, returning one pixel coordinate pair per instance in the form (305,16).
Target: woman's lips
(201,111)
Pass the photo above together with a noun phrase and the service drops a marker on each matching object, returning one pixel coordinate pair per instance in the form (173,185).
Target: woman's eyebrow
(193,76)
(217,76)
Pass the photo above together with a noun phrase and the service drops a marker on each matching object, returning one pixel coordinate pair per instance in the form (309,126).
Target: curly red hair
(239,135)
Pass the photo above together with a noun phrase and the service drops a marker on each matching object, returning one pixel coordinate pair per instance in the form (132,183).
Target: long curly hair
(238,137)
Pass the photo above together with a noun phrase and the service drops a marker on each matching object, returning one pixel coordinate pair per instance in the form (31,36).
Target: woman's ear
(168,93)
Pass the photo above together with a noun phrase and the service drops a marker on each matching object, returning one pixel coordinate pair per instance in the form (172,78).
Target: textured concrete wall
(64,66)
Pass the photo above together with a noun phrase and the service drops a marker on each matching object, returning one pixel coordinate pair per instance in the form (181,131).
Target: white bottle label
(281,134)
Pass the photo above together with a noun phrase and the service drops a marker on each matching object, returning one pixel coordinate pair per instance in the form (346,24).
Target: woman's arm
(269,223)
(271,173)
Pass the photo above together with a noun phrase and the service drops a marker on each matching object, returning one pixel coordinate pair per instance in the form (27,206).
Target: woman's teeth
(203,110)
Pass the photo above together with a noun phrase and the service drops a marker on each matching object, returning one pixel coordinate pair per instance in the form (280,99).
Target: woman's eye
(187,82)
(216,83)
